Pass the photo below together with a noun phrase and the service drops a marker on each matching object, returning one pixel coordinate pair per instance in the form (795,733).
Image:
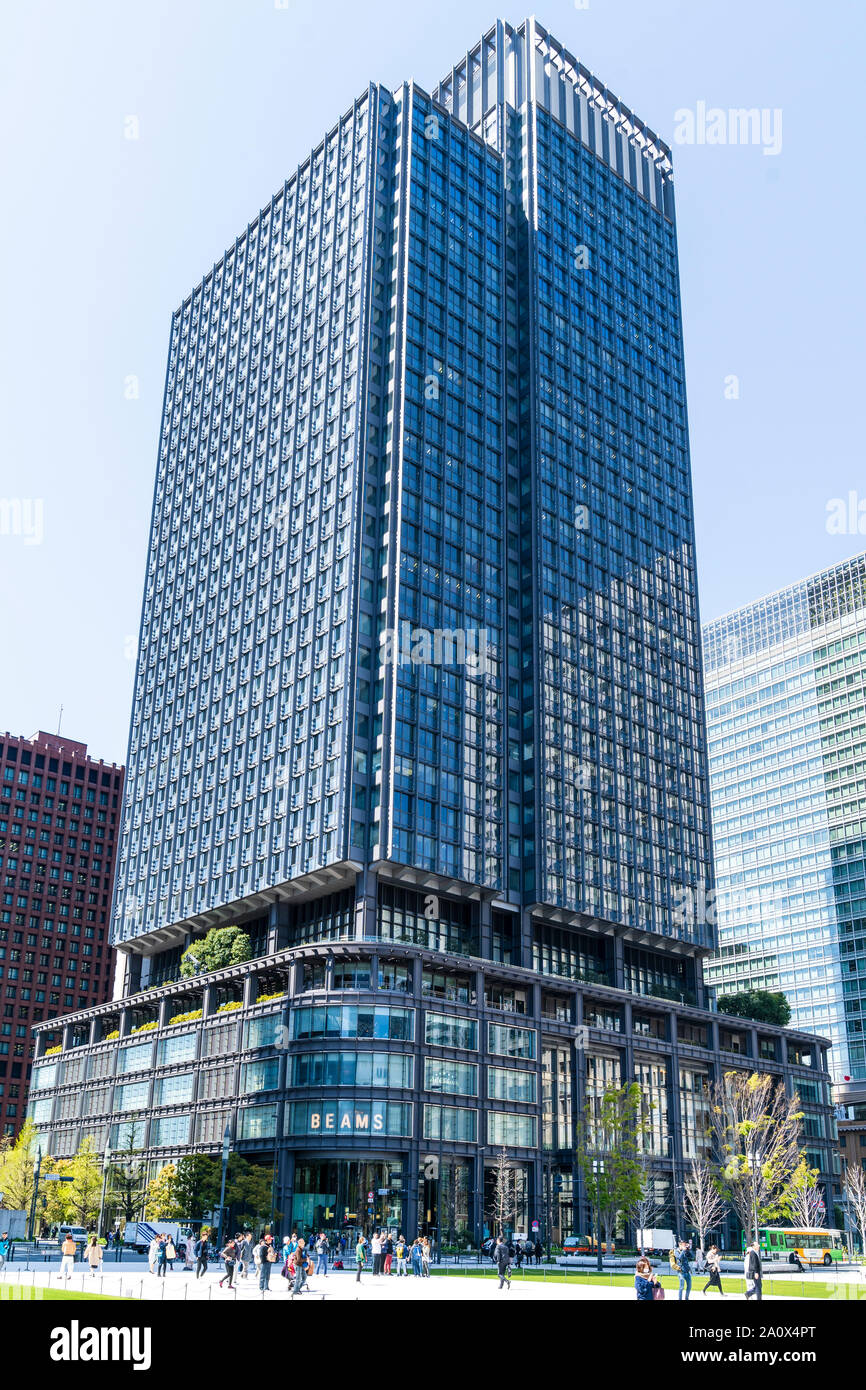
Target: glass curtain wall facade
(786,716)
(418,694)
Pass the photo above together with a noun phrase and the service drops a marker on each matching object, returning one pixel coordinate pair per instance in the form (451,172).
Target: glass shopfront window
(458,1078)
(511,1042)
(504,1083)
(260,1076)
(511,1131)
(448,1030)
(350,1021)
(451,1122)
(345,1197)
(177,1047)
(135,1058)
(394,1069)
(263,1031)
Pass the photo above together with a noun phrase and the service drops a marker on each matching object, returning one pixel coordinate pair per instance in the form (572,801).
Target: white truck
(655,1239)
(139,1234)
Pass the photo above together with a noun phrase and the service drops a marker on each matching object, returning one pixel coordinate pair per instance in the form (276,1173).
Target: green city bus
(814,1245)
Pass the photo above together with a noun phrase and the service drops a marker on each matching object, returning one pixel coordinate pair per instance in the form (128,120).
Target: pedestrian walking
(245,1254)
(714,1271)
(646,1282)
(502,1258)
(170,1252)
(5,1248)
(684,1269)
(153,1254)
(94,1255)
(323,1249)
(67,1257)
(303,1268)
(229,1257)
(539,1252)
(426,1257)
(202,1252)
(360,1257)
(267,1260)
(753,1270)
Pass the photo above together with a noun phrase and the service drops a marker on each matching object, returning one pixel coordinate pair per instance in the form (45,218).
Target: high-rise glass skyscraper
(786,714)
(418,699)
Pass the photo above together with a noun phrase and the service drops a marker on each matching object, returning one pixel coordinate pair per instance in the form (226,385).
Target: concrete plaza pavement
(181,1286)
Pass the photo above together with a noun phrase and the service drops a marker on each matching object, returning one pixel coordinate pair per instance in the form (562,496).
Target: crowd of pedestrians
(648,1286)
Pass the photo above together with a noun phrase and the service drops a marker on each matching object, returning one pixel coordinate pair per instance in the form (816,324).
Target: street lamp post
(227,1140)
(37,1168)
(598,1169)
(105,1161)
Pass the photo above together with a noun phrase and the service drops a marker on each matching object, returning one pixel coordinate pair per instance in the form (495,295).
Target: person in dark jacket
(753,1270)
(230,1256)
(684,1269)
(644,1281)
(539,1252)
(502,1256)
(202,1253)
(714,1271)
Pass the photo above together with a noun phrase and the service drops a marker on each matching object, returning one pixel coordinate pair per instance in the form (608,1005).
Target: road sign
(369,1196)
(56,1177)
(535,1225)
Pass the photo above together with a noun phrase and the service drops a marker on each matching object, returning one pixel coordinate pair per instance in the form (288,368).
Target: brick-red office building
(60,814)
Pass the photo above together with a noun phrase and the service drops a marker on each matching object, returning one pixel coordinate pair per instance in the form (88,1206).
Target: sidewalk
(338,1286)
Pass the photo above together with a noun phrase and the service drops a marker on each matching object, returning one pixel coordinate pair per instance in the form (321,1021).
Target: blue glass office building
(418,698)
(786,716)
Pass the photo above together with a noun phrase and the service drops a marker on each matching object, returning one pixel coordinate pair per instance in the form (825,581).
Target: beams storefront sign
(340,1117)
(328,1119)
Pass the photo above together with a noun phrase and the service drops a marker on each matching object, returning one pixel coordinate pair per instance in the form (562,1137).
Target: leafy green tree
(197,1185)
(757,1127)
(249,1188)
(222,946)
(802,1201)
(609,1145)
(85,1190)
(16,1167)
(161,1200)
(759,1004)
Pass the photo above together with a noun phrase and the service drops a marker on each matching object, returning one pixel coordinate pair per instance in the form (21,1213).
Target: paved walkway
(338,1286)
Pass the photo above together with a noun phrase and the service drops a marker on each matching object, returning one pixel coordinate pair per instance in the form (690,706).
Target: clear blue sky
(103,236)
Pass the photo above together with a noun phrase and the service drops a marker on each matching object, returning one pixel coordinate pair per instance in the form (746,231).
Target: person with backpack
(266,1260)
(714,1270)
(646,1282)
(201,1250)
(401,1250)
(303,1267)
(502,1260)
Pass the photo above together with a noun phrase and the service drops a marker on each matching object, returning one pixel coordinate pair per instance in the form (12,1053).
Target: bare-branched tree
(703,1203)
